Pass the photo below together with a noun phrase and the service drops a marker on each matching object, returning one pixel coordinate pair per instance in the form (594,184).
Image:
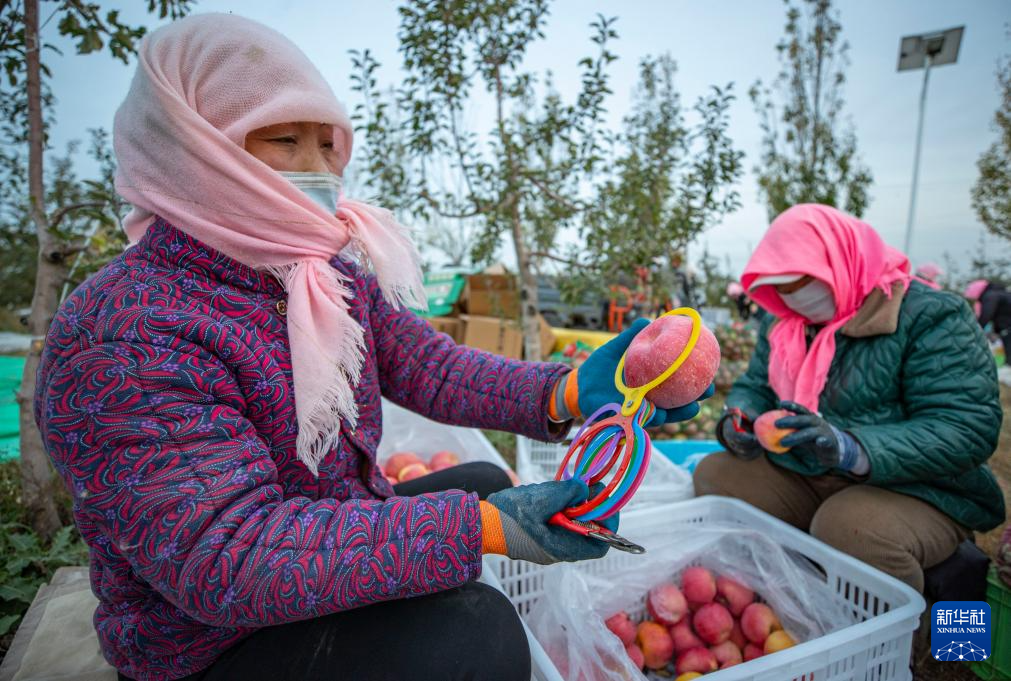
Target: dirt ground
(930,670)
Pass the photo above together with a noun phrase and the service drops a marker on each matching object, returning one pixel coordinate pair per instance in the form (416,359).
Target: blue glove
(595,381)
(524,512)
(817,438)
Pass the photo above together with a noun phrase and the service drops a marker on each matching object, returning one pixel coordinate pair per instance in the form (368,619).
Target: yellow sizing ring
(635,396)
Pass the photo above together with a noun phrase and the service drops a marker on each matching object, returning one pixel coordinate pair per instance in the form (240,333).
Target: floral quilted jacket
(165,401)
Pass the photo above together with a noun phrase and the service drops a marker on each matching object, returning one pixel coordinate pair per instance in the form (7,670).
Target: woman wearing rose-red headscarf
(211,398)
(894,394)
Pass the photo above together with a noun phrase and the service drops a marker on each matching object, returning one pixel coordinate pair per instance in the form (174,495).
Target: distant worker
(929,273)
(992,304)
(746,308)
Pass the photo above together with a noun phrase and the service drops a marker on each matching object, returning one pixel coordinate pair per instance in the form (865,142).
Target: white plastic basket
(663,483)
(403,430)
(539,660)
(876,649)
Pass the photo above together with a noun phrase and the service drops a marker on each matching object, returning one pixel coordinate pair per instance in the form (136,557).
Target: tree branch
(58,216)
(564,261)
(430,200)
(578,208)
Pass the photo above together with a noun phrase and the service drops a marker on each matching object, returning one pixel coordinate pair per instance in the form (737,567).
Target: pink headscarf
(929,270)
(973,292)
(927,273)
(734,289)
(846,254)
(975,289)
(202,84)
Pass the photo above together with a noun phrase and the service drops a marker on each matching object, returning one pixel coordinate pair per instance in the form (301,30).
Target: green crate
(998,595)
(443,289)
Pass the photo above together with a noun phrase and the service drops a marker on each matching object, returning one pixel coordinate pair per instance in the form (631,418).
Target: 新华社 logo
(960,631)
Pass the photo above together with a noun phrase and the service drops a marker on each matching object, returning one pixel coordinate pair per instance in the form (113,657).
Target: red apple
(727,654)
(666,604)
(635,654)
(699,660)
(443,459)
(734,595)
(656,347)
(656,644)
(684,636)
(769,436)
(398,460)
(758,621)
(622,626)
(713,623)
(698,586)
(414,470)
(737,636)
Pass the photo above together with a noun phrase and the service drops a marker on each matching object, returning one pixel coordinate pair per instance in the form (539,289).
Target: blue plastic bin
(687,453)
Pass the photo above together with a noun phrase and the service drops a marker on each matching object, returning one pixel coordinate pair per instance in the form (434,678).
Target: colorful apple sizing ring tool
(616,448)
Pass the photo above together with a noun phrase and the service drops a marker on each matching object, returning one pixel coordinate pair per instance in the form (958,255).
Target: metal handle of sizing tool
(598,532)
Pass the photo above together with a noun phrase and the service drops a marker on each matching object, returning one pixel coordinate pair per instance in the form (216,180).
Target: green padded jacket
(914,382)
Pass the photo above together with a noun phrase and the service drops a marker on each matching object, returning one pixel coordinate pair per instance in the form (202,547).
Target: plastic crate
(687,453)
(663,483)
(539,660)
(998,666)
(877,648)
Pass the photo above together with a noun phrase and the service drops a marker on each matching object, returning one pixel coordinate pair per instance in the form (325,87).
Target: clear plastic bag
(568,619)
(404,430)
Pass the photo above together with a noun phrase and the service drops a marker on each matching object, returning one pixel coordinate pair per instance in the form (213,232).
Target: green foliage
(505,443)
(514,178)
(29,563)
(991,195)
(714,280)
(79,210)
(84,213)
(546,165)
(667,184)
(809,155)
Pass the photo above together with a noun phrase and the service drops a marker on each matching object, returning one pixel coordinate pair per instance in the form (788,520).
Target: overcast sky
(714,42)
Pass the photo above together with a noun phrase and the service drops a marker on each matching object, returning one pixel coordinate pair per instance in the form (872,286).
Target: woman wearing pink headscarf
(929,273)
(992,304)
(894,394)
(211,399)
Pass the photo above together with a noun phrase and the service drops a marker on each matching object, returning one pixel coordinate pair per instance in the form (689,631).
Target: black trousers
(471,632)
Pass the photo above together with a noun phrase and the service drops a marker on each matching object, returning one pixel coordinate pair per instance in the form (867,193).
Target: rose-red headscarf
(838,249)
(202,84)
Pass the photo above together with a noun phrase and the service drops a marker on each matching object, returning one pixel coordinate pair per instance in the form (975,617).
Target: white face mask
(814,301)
(322,188)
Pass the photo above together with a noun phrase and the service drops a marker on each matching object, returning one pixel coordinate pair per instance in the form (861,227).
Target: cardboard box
(491,295)
(451,326)
(547,338)
(501,336)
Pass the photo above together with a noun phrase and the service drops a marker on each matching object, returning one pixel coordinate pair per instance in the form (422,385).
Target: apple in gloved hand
(657,346)
(769,436)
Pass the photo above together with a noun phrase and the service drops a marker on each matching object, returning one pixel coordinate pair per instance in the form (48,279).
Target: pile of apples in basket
(707,623)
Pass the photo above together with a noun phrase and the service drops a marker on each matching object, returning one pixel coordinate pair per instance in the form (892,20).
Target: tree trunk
(528,291)
(528,282)
(37,480)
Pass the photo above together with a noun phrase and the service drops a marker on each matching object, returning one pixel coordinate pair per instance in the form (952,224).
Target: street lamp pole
(924,51)
(916,159)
